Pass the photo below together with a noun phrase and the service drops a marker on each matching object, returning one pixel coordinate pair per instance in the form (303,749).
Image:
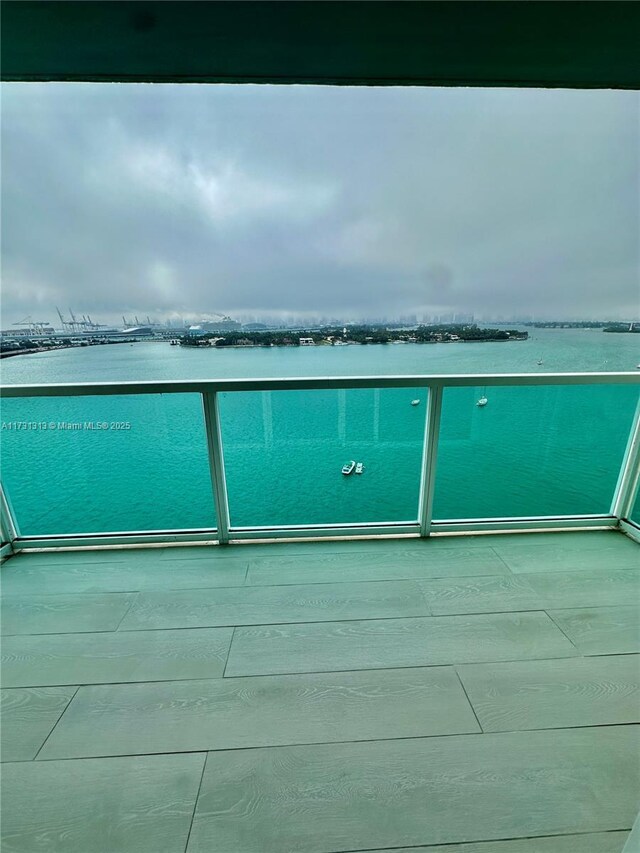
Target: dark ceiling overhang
(498,43)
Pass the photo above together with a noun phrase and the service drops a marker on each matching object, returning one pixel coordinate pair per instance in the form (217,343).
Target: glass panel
(102,464)
(284,451)
(634,515)
(530,451)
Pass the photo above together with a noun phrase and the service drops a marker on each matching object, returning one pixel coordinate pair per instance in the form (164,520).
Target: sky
(289,202)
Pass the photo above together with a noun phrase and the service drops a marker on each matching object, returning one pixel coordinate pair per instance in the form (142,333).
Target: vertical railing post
(7,518)
(629,476)
(429,458)
(216,463)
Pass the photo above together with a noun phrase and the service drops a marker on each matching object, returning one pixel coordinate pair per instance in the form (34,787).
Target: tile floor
(458,695)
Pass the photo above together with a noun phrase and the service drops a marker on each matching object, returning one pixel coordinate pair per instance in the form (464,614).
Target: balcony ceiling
(577,44)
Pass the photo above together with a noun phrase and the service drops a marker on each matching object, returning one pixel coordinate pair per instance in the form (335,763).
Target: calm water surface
(530,451)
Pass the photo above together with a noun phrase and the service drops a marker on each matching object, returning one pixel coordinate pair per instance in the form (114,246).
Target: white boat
(417,402)
(359,467)
(482,401)
(348,467)
(540,361)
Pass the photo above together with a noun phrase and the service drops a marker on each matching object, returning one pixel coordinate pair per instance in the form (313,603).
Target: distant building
(307,342)
(225,324)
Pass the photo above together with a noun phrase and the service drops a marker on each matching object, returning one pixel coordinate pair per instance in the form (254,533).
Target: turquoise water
(530,451)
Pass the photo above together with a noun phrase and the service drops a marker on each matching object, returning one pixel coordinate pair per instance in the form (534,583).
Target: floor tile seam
(195,802)
(591,572)
(64,710)
(250,585)
(123,591)
(425,598)
(44,761)
(121,633)
(403,666)
(490,612)
(462,844)
(332,621)
(25,596)
(229,647)
(134,599)
(337,582)
(572,658)
(55,564)
(303,744)
(562,631)
(633,607)
(403,551)
(502,560)
(568,727)
(63,633)
(302,672)
(589,607)
(470,703)
(541,549)
(609,654)
(455,580)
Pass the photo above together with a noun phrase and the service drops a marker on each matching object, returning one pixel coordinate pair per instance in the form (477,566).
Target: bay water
(127,463)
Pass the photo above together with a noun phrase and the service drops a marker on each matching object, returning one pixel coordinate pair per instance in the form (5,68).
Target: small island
(342,336)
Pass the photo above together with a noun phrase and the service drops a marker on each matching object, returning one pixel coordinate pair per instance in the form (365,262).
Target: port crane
(35,327)
(75,324)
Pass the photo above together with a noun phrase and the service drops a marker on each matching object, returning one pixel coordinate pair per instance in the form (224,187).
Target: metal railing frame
(423,526)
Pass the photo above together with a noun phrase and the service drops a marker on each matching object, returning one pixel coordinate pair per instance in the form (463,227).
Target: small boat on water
(359,467)
(540,361)
(348,467)
(417,402)
(482,401)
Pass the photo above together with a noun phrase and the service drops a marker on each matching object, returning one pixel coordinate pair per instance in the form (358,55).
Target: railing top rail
(199,386)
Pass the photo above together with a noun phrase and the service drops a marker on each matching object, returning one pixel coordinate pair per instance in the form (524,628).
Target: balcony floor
(477,693)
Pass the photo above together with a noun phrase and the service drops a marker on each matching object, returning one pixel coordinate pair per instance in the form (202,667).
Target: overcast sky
(295,200)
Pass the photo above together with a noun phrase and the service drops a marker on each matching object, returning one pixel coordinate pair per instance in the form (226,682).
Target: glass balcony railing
(531,451)
(291,446)
(241,459)
(106,463)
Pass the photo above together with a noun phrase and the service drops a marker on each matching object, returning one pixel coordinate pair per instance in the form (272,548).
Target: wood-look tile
(63,614)
(120,656)
(601,630)
(620,552)
(372,545)
(126,576)
(378,644)
(489,594)
(593,842)
(274,604)
(408,563)
(363,796)
(230,713)
(554,693)
(586,539)
(586,589)
(108,805)
(27,716)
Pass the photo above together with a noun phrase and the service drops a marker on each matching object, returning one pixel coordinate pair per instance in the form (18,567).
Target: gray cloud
(316,200)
